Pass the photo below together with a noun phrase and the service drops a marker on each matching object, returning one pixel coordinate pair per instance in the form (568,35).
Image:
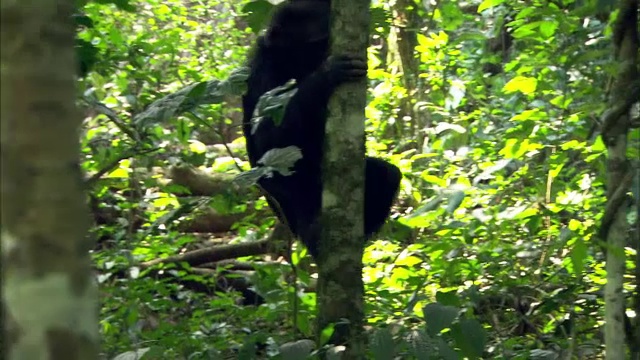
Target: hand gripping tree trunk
(340,287)
(49,297)
(615,227)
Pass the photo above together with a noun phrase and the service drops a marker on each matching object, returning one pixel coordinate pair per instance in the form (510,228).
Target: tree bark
(405,32)
(615,131)
(340,286)
(49,293)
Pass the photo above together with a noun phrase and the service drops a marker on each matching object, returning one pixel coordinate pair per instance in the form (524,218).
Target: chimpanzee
(295,46)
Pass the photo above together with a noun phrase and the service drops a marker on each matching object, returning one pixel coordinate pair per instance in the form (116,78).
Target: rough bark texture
(340,286)
(48,289)
(615,131)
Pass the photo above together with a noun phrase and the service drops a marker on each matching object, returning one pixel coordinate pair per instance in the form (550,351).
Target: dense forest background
(493,110)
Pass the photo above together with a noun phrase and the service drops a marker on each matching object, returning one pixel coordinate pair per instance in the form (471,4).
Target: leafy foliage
(492,116)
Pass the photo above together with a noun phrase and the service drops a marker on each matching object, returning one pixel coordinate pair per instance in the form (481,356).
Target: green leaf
(197,147)
(455,199)
(273,104)
(247,351)
(510,149)
(555,170)
(281,159)
(430,206)
(121,4)
(523,84)
(449,298)
(380,20)
(434,179)
(445,351)
(487,4)
(326,334)
(530,115)
(579,255)
(470,337)
(452,16)
(573,145)
(382,345)
(439,317)
(421,345)
(197,91)
(527,30)
(548,28)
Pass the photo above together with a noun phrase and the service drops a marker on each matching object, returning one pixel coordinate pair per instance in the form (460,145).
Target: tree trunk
(407,20)
(49,294)
(615,131)
(340,286)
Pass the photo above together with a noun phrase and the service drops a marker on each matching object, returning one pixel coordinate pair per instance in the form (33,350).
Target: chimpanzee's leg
(381,187)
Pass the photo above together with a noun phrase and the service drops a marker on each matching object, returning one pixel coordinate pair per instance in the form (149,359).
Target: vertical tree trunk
(340,287)
(615,131)
(49,295)
(407,22)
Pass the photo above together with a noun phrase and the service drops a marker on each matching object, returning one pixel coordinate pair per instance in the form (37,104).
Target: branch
(192,96)
(112,165)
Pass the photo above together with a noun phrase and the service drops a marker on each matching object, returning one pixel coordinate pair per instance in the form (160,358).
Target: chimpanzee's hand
(344,68)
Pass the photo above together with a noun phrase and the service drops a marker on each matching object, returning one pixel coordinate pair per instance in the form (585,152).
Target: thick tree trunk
(49,292)
(340,286)
(615,131)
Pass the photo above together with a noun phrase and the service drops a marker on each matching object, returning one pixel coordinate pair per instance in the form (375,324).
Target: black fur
(296,46)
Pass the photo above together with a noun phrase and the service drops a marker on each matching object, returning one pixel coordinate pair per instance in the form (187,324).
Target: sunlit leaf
(531,115)
(326,334)
(119,173)
(197,146)
(548,28)
(487,4)
(408,261)
(523,84)
(573,145)
(434,180)
(165,201)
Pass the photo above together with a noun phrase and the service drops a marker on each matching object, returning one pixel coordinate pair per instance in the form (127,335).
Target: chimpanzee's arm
(306,113)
